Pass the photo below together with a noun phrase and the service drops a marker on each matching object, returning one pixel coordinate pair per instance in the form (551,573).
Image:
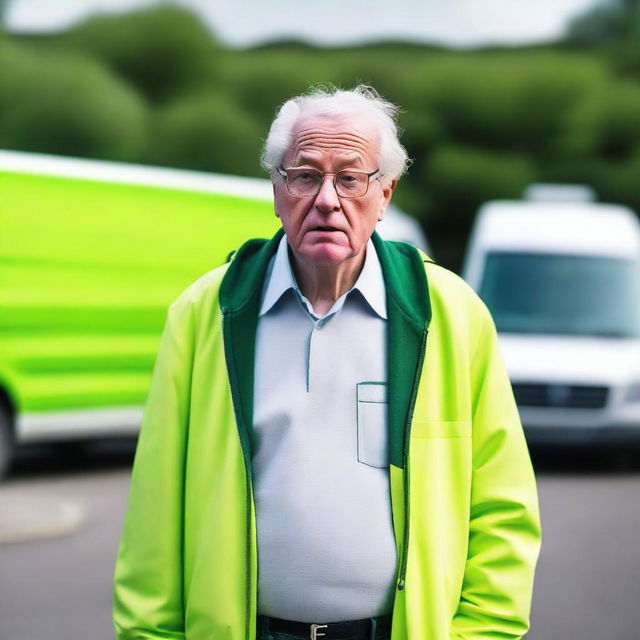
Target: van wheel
(7,442)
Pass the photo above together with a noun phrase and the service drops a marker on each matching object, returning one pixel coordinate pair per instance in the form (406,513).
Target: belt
(348,630)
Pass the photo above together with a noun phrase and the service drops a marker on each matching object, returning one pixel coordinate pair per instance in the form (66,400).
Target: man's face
(325,229)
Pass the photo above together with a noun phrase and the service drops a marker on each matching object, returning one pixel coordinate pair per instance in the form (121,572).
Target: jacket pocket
(373,449)
(440,429)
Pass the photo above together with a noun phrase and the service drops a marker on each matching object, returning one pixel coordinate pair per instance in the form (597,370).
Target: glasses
(305,182)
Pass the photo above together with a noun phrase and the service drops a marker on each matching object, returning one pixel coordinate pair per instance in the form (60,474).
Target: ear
(387,192)
(273,186)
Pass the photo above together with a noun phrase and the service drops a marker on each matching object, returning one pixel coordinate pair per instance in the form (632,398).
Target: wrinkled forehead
(345,139)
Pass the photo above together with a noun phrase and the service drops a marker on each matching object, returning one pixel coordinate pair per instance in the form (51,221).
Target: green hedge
(516,101)
(68,104)
(464,178)
(606,123)
(163,50)
(208,132)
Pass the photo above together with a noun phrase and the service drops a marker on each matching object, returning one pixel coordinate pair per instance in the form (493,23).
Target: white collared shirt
(326,547)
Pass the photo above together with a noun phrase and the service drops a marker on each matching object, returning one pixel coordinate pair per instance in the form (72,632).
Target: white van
(561,276)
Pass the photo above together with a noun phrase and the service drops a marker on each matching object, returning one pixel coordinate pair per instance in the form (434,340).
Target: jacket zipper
(247,468)
(407,433)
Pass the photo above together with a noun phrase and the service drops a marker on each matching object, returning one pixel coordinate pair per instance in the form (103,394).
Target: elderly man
(331,448)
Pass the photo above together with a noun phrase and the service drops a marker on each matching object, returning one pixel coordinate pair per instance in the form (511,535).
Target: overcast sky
(459,23)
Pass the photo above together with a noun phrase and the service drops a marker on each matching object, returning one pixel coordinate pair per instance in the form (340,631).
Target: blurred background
(533,92)
(496,96)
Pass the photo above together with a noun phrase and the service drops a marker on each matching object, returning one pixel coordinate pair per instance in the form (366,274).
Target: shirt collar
(370,282)
(280,279)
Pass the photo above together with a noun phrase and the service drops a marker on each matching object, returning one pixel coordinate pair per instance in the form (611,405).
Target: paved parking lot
(56,583)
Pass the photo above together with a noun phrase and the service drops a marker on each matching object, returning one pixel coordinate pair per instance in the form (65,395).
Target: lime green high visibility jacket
(463,493)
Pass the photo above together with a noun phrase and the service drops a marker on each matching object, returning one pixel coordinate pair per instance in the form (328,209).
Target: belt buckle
(314,631)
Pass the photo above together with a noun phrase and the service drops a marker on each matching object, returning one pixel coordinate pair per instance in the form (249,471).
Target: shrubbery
(207,132)
(162,51)
(68,104)
(606,123)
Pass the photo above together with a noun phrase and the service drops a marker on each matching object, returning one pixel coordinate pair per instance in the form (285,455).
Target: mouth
(325,228)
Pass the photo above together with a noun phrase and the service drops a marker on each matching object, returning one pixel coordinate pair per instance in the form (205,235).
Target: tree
(209,132)
(68,104)
(608,21)
(163,50)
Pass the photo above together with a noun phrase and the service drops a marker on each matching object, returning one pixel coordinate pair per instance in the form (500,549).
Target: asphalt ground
(61,513)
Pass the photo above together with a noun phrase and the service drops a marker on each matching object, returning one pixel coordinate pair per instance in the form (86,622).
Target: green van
(91,255)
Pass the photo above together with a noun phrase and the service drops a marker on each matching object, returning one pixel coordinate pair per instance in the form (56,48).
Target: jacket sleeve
(504,534)
(148,584)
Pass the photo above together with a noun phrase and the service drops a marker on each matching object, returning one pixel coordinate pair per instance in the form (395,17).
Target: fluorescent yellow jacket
(463,493)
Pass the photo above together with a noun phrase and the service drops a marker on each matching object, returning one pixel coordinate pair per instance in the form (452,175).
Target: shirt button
(320,324)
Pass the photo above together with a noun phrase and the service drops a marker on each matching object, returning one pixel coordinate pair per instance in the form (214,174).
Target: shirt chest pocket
(373,449)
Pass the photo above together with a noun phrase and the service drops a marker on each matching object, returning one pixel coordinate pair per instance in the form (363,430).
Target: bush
(606,124)
(460,179)
(261,85)
(412,199)
(163,51)
(422,131)
(618,181)
(519,101)
(600,24)
(207,132)
(65,104)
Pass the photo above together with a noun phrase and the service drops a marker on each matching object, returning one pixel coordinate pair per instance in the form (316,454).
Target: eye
(304,176)
(349,180)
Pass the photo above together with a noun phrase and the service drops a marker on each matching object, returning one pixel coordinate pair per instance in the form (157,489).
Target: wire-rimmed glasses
(304,182)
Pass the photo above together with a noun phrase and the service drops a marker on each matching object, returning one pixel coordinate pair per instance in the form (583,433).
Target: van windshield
(563,294)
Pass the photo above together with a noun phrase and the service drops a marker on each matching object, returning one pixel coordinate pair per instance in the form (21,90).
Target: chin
(326,254)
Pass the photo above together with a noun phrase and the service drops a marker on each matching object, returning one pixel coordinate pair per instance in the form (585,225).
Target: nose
(327,199)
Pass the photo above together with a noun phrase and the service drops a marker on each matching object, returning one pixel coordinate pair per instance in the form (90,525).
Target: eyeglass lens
(307,182)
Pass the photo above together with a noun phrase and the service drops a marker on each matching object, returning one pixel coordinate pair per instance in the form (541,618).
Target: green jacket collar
(409,315)
(401,263)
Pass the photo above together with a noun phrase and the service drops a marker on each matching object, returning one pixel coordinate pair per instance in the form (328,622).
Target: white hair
(360,102)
